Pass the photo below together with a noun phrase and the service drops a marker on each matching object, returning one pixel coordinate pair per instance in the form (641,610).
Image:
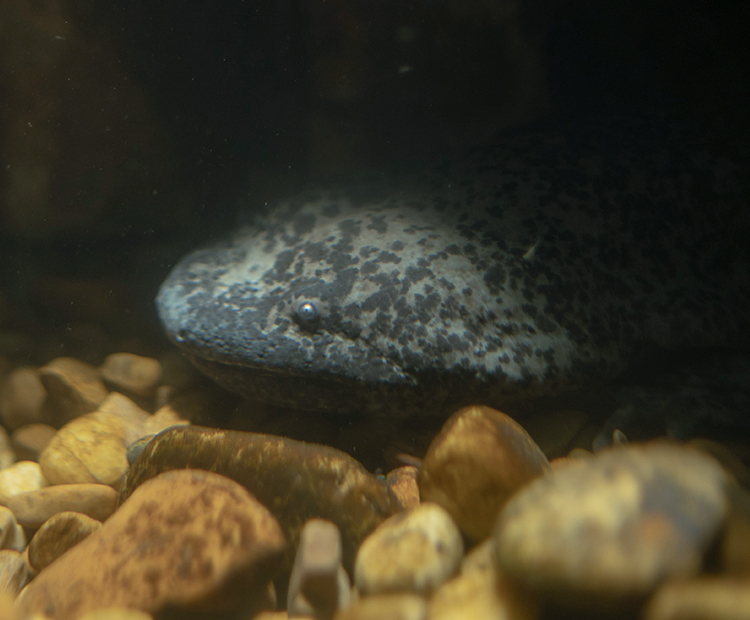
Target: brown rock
(97,501)
(20,477)
(612,527)
(481,595)
(11,534)
(58,534)
(403,482)
(479,459)
(74,387)
(7,455)
(705,598)
(132,373)
(14,572)
(296,480)
(319,584)
(28,441)
(186,538)
(386,606)
(22,397)
(413,551)
(482,557)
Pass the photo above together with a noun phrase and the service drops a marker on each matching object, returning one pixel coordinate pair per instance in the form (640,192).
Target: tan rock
(93,447)
(28,441)
(481,595)
(413,551)
(14,572)
(59,533)
(403,482)
(319,584)
(386,607)
(74,387)
(7,455)
(22,397)
(11,533)
(185,538)
(116,613)
(482,557)
(162,419)
(133,417)
(21,477)
(479,459)
(97,501)
(132,373)
(735,540)
(705,598)
(615,525)
(7,608)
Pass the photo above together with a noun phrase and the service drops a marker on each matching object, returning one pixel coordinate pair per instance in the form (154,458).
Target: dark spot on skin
(303,224)
(453,249)
(369,268)
(495,278)
(397,246)
(377,223)
(388,257)
(415,274)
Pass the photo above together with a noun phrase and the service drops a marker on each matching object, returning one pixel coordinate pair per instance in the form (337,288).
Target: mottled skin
(533,264)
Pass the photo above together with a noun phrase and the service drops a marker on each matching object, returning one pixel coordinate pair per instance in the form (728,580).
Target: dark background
(131,130)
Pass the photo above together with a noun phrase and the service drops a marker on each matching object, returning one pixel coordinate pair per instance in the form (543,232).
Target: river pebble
(132,373)
(59,533)
(296,480)
(706,598)
(318,585)
(32,509)
(29,440)
(74,387)
(615,526)
(180,539)
(479,459)
(21,477)
(414,551)
(403,482)
(14,572)
(386,606)
(12,535)
(22,398)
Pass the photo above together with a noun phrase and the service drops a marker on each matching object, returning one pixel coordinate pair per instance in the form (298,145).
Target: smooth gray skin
(534,264)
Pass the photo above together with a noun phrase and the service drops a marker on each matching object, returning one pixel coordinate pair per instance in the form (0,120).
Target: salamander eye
(308,314)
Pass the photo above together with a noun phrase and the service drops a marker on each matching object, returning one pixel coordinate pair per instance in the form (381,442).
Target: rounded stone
(184,539)
(93,447)
(296,480)
(74,387)
(481,595)
(30,440)
(705,598)
(390,606)
(614,526)
(21,477)
(403,482)
(11,533)
(319,584)
(22,397)
(413,551)
(32,509)
(116,613)
(133,373)
(59,533)
(478,460)
(14,572)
